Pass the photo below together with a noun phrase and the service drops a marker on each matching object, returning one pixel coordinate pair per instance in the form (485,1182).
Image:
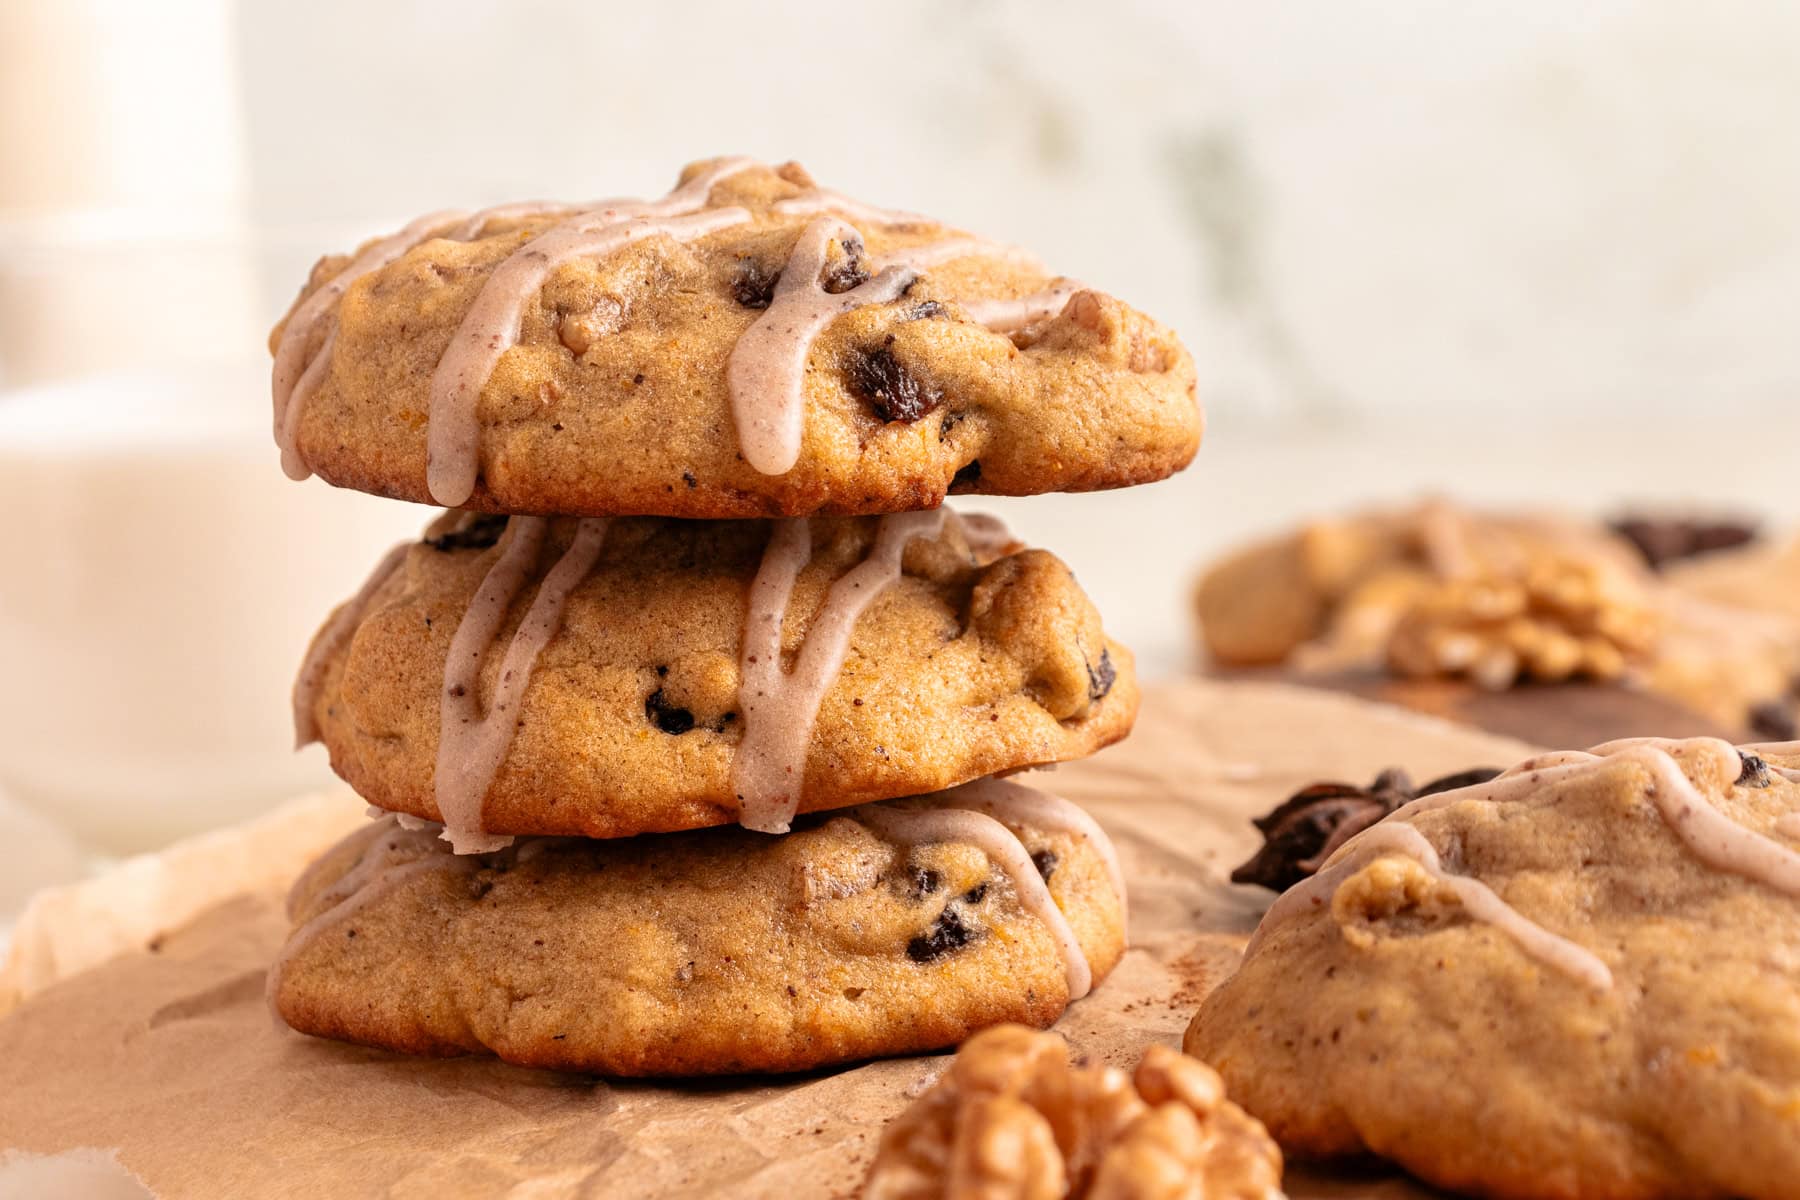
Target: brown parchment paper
(167,1055)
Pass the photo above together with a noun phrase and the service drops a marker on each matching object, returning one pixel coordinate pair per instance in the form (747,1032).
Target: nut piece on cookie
(1012,1117)
(1572,980)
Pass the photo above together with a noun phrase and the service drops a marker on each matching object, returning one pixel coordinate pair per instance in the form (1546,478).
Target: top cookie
(748,345)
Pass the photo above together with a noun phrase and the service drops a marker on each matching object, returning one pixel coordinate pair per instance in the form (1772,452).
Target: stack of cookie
(693,776)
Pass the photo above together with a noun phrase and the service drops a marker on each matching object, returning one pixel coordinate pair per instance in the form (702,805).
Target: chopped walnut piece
(1557,619)
(1012,1119)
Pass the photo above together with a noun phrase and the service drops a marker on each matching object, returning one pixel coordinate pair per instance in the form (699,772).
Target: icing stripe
(472,744)
(1707,833)
(1016,804)
(294,376)
(824,200)
(1003,848)
(766,374)
(339,629)
(1007,316)
(768,769)
(492,325)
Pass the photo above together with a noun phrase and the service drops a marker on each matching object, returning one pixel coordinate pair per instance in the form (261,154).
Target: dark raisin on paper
(478,534)
(893,392)
(1305,829)
(1662,539)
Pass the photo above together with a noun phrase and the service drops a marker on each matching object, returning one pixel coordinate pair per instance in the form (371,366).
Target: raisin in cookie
(749,345)
(1012,1117)
(1576,980)
(889,929)
(604,678)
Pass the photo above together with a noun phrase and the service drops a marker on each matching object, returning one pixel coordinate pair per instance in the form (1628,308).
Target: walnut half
(1012,1119)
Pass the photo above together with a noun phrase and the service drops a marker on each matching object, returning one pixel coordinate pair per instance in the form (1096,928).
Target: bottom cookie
(887,929)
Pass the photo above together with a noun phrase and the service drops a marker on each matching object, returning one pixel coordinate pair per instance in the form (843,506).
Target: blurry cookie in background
(1574,979)
(1498,600)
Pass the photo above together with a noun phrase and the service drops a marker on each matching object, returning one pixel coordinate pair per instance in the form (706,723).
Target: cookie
(604,678)
(1499,600)
(748,345)
(1577,979)
(888,929)
(1013,1117)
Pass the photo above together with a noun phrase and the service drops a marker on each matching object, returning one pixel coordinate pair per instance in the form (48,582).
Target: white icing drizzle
(1707,833)
(1008,316)
(473,744)
(824,200)
(1003,848)
(492,325)
(988,536)
(1479,900)
(767,370)
(295,376)
(768,769)
(339,629)
(766,375)
(1016,804)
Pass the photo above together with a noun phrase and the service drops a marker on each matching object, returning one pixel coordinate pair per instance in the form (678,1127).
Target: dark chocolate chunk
(754,284)
(1301,833)
(665,716)
(976,894)
(1774,720)
(1665,539)
(947,933)
(924,881)
(478,534)
(1045,861)
(1101,678)
(1461,779)
(895,393)
(924,310)
(1755,773)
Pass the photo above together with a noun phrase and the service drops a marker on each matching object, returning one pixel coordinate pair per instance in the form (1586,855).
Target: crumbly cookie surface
(1012,1117)
(711,952)
(1497,598)
(615,398)
(970,664)
(1382,1011)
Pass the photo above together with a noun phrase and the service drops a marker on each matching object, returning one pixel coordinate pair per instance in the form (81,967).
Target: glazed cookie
(749,345)
(1012,1117)
(1575,980)
(888,929)
(604,678)
(1498,599)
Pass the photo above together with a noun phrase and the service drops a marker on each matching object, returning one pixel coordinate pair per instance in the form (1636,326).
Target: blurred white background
(1534,251)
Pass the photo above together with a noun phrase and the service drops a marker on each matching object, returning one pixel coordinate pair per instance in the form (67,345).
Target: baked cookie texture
(1379,1010)
(615,397)
(1013,1117)
(978,660)
(1499,599)
(705,953)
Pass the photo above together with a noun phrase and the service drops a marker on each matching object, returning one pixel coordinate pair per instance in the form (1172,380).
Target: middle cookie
(604,678)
